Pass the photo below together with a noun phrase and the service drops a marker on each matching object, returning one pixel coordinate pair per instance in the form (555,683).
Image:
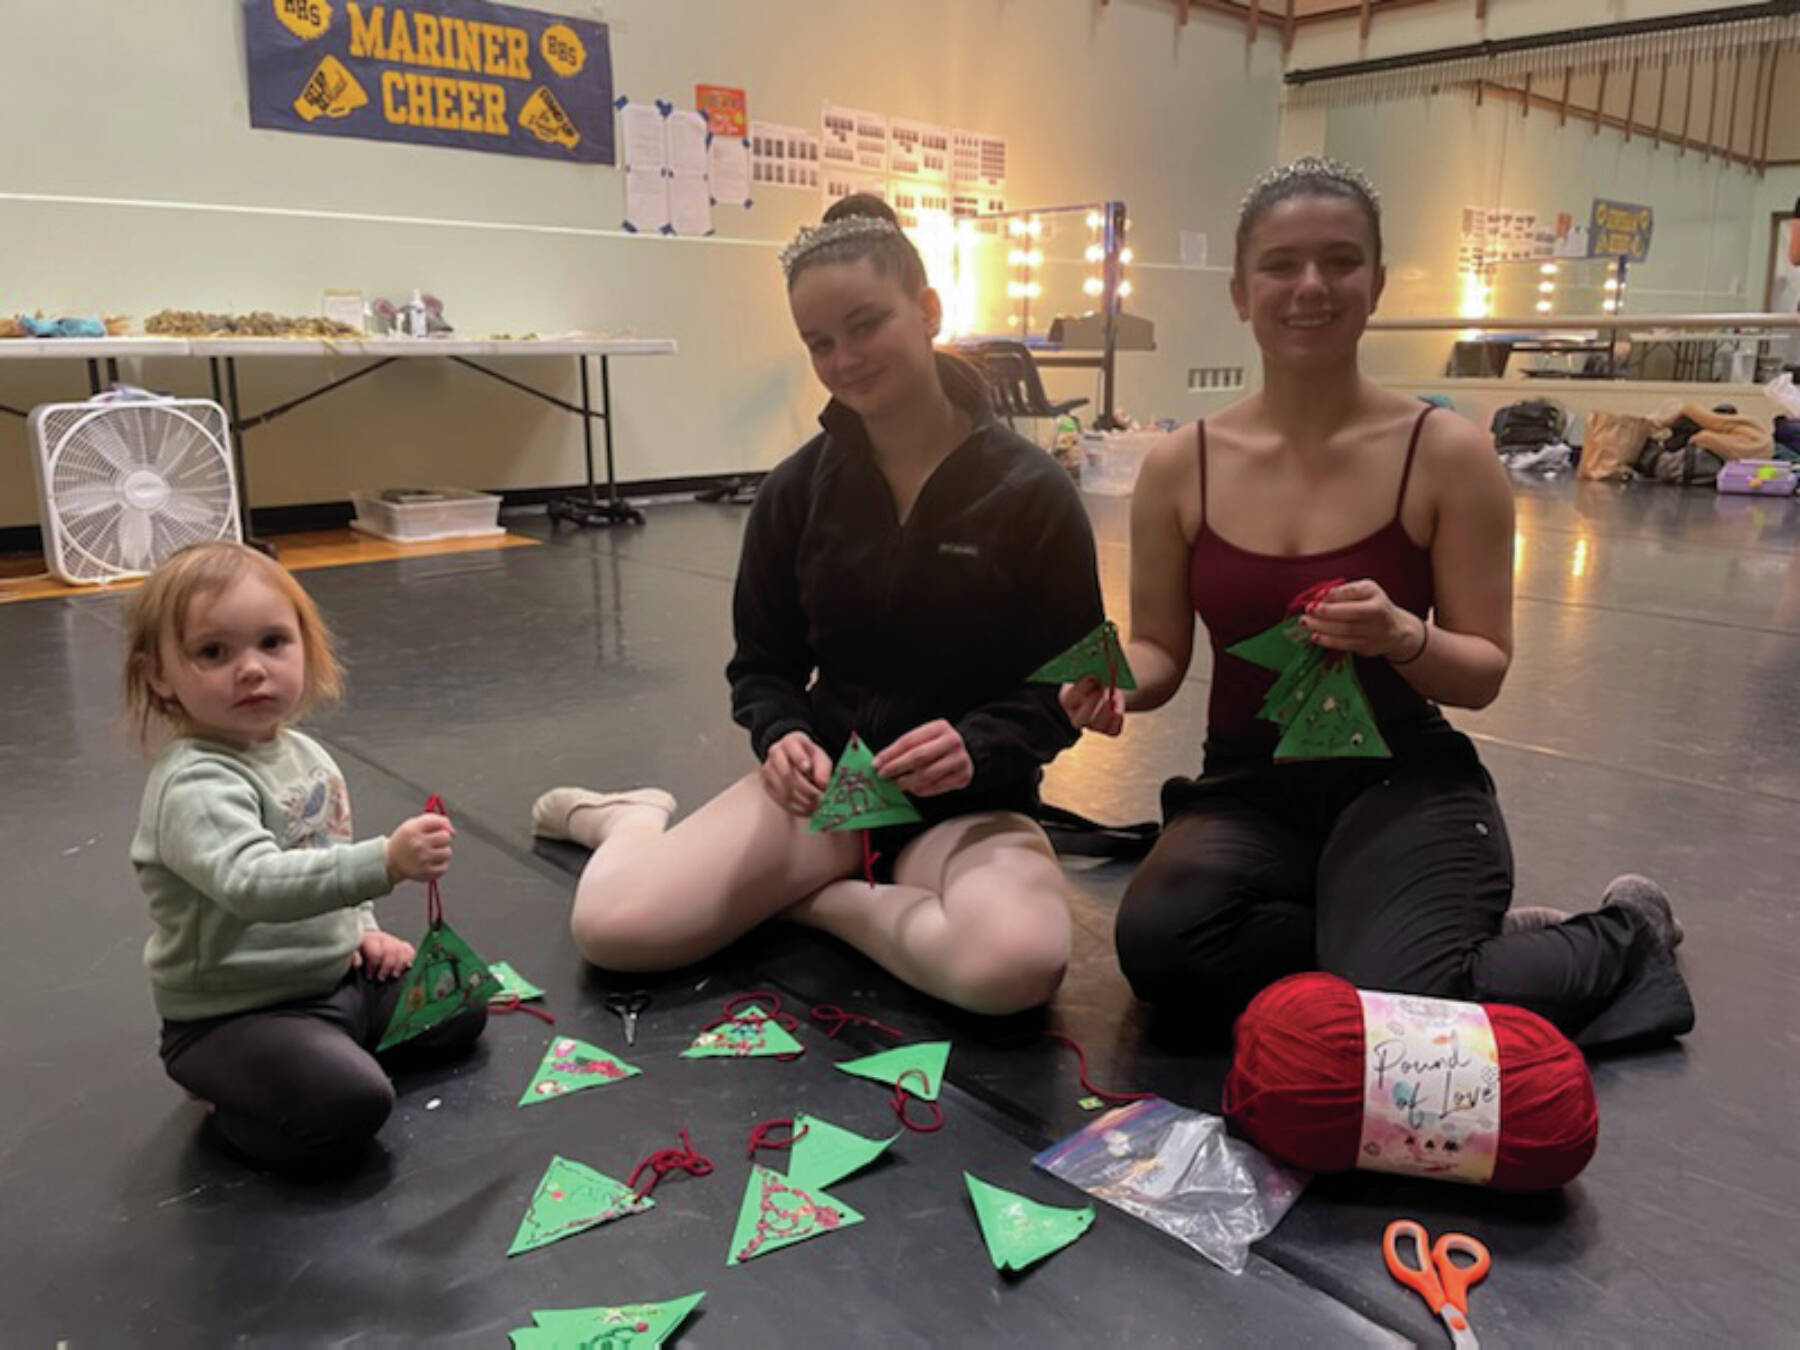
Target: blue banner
(460,73)
(1620,230)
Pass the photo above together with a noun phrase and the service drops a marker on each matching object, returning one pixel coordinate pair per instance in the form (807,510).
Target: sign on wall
(1619,230)
(460,73)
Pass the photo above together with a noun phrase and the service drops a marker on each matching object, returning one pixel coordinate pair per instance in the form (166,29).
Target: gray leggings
(297,1084)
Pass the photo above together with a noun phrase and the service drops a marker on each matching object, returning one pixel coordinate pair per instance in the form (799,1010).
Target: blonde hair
(161,605)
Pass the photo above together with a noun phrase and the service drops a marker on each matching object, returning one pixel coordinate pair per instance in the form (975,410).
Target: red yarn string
(902,1099)
(512,1003)
(1312,595)
(434,898)
(869,857)
(733,1006)
(1086,1082)
(667,1160)
(760,1135)
(785,1020)
(837,1019)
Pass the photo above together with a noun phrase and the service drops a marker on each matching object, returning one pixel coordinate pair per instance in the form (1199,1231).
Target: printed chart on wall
(916,167)
(1500,234)
(783,156)
(457,73)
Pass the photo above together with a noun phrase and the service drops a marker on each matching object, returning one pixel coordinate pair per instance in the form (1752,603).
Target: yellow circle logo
(304,18)
(563,50)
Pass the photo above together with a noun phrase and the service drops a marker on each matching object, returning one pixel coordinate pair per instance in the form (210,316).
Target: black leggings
(1395,874)
(296,1084)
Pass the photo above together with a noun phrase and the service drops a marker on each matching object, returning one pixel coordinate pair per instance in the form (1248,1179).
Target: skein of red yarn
(1295,1088)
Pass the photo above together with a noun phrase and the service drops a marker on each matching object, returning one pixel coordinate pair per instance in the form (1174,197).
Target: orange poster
(724,109)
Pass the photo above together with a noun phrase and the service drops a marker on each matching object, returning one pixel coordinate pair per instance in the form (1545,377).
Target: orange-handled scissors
(1437,1278)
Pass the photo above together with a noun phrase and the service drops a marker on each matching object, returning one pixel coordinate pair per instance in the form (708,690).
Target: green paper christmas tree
(446,977)
(858,798)
(511,982)
(1316,698)
(569,1066)
(777,1213)
(750,1034)
(926,1058)
(824,1153)
(1334,722)
(1099,654)
(1020,1232)
(630,1326)
(570,1199)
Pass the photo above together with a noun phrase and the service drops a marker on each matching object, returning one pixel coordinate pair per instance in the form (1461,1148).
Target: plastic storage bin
(1110,460)
(410,514)
(1757,477)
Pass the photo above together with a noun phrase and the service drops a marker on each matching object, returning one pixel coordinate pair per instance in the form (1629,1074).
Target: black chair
(1014,385)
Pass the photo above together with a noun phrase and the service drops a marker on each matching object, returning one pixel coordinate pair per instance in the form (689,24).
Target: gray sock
(1650,901)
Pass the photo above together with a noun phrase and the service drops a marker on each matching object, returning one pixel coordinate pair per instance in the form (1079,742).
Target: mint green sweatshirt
(256,889)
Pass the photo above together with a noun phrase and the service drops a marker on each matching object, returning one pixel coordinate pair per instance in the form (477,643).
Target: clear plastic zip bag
(1180,1171)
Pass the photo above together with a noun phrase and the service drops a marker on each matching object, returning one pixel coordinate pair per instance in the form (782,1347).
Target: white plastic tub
(411,514)
(1110,460)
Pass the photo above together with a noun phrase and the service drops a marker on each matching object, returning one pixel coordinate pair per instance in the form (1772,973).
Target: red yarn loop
(869,857)
(434,898)
(512,1003)
(667,1160)
(735,1006)
(902,1100)
(1086,1082)
(1312,595)
(1295,1088)
(836,1019)
(762,1134)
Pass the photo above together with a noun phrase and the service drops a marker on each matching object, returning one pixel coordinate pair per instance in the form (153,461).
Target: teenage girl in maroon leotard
(1396,873)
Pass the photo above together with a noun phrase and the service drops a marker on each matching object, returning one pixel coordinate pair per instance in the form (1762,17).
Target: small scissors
(628,1005)
(1437,1278)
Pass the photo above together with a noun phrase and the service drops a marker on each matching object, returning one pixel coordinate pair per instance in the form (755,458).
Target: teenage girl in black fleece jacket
(901,574)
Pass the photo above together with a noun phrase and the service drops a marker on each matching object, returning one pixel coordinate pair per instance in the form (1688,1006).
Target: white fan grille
(127,484)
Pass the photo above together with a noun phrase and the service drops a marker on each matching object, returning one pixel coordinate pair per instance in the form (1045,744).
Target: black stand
(590,510)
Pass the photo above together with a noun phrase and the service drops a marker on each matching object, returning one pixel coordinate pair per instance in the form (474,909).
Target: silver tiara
(1313,166)
(812,238)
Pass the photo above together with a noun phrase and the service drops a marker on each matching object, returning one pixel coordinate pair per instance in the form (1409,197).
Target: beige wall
(151,190)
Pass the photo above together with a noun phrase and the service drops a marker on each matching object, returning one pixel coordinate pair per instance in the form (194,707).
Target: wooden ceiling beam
(1631,101)
(1600,99)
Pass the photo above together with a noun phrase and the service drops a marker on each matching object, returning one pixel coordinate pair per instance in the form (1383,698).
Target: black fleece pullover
(849,620)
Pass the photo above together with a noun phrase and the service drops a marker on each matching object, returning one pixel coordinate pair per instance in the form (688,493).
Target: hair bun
(860,205)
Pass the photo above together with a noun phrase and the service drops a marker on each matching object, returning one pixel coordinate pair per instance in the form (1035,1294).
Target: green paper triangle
(776,1213)
(1293,687)
(1335,723)
(570,1199)
(858,798)
(511,982)
(629,1326)
(1020,1231)
(824,1153)
(1099,654)
(928,1057)
(446,976)
(1273,648)
(751,1034)
(569,1066)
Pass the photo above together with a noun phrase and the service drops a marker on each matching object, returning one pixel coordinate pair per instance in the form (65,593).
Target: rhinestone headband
(1312,166)
(811,239)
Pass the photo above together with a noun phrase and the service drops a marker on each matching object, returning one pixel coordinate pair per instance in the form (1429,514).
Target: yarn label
(1431,1088)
